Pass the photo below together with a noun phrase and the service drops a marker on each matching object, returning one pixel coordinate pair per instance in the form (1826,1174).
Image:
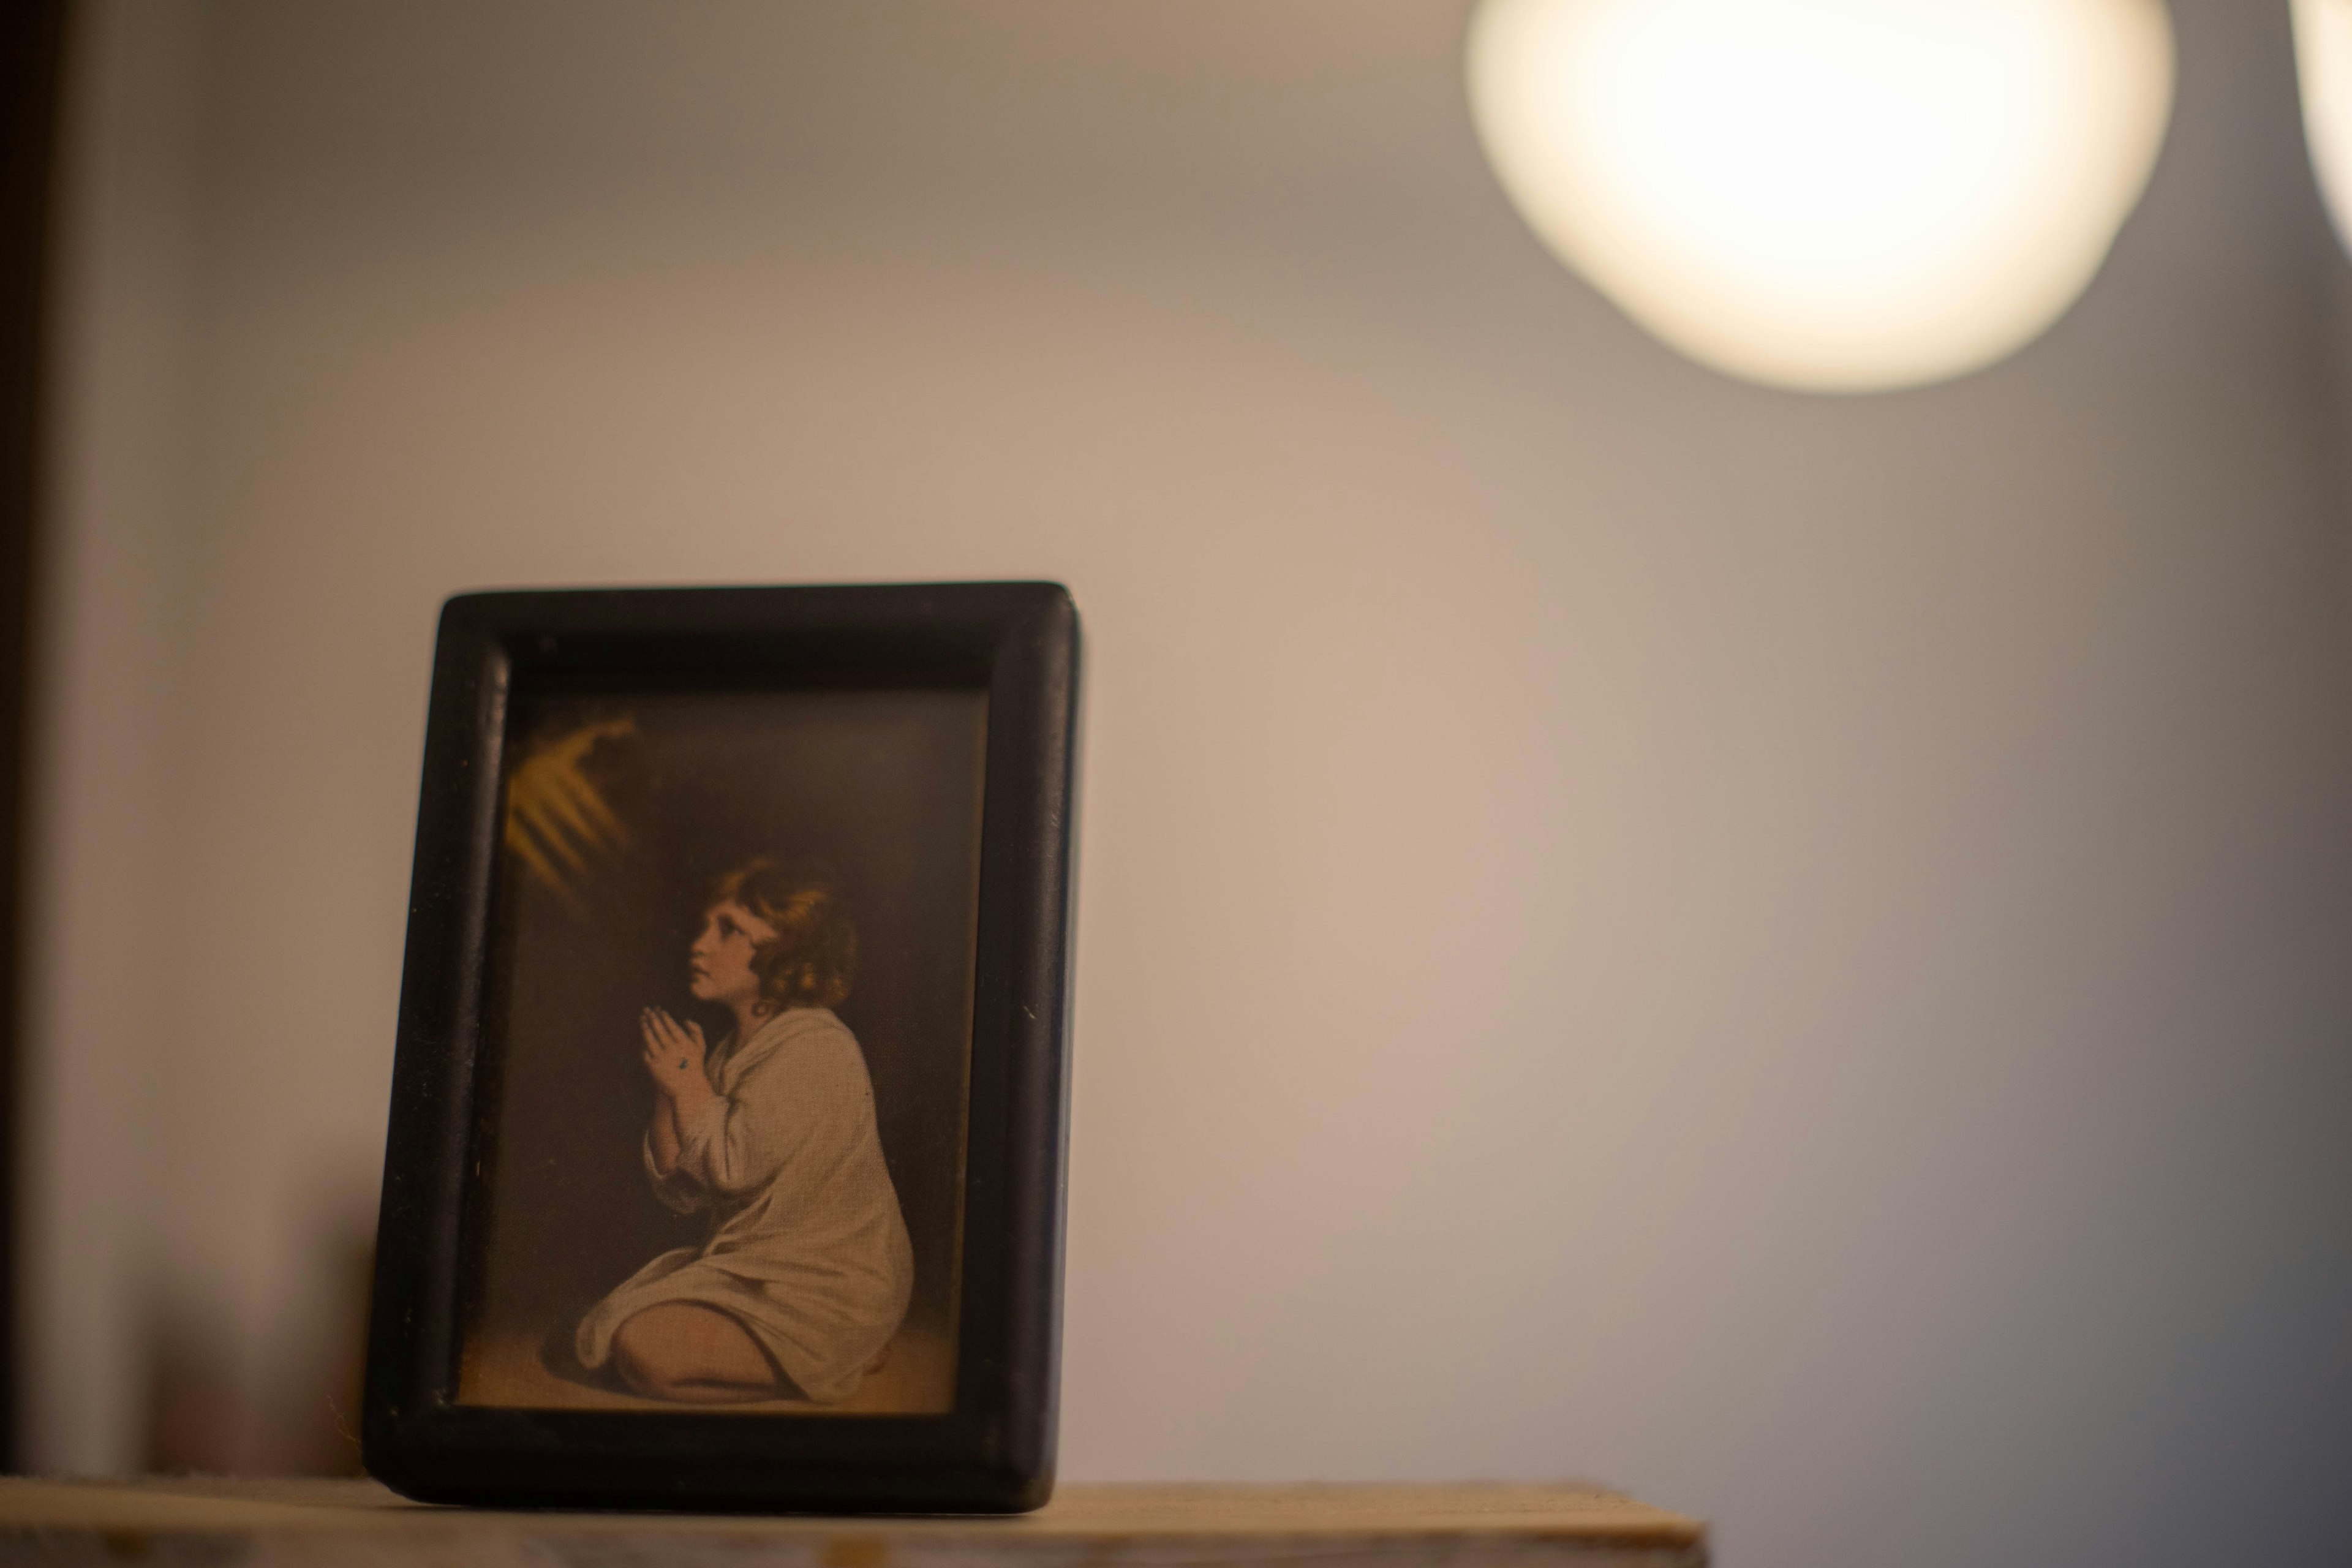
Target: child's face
(720,962)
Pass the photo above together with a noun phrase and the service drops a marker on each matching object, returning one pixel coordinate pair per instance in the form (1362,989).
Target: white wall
(1785,953)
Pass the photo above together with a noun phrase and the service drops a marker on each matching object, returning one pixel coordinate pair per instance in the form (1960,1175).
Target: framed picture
(728,1111)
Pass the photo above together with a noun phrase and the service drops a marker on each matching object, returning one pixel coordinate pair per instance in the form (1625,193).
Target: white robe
(807,1247)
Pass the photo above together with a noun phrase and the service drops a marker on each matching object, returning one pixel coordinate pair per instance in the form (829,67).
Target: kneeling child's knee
(641,1366)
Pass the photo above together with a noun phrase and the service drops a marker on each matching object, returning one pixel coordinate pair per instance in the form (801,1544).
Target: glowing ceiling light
(2322,52)
(1834,194)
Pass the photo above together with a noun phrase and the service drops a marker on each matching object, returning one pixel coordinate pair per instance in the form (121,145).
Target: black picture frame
(1019,643)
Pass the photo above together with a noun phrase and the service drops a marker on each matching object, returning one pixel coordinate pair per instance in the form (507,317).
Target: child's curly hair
(809,962)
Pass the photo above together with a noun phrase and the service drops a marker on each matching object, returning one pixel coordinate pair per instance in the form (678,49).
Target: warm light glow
(2322,52)
(1834,194)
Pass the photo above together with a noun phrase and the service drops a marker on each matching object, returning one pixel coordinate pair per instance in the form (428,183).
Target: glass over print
(728,1055)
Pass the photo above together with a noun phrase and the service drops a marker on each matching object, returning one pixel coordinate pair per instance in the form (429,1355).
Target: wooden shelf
(291,1523)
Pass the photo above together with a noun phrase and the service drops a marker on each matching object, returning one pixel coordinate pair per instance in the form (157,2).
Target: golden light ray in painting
(557,822)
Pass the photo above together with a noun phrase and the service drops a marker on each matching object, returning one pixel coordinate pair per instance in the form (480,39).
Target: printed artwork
(727,1054)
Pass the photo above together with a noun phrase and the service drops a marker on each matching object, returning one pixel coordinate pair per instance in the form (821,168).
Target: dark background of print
(879,791)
